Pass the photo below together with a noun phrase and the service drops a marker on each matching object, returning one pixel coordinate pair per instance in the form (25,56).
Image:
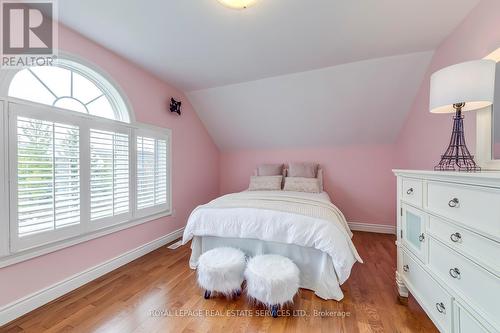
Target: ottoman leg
(274,311)
(207,294)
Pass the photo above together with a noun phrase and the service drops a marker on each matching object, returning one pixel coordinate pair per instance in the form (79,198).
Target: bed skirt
(317,272)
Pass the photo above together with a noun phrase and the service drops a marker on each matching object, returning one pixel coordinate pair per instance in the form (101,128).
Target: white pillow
(305,170)
(265,183)
(270,170)
(302,184)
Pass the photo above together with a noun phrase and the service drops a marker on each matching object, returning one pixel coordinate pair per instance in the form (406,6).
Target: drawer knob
(455,273)
(453,203)
(421,237)
(410,191)
(440,307)
(456,237)
(406,268)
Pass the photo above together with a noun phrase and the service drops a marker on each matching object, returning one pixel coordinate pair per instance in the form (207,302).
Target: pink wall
(358,178)
(496,150)
(425,136)
(192,147)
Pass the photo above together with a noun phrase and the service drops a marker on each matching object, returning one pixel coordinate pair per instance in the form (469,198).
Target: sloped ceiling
(356,103)
(358,63)
(197,44)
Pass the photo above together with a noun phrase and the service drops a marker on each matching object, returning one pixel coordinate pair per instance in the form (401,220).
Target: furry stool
(221,270)
(272,280)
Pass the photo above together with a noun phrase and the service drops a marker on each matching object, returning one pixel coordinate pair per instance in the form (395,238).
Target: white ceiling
(356,103)
(283,73)
(197,44)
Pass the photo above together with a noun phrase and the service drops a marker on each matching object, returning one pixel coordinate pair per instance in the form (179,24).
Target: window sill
(18,257)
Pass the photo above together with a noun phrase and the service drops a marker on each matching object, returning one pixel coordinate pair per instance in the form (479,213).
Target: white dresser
(448,239)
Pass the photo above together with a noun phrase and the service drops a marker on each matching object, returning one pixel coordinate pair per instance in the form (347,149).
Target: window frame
(12,250)
(86,68)
(117,99)
(30,241)
(4,183)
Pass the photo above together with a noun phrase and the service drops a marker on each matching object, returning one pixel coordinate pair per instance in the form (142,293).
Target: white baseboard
(370,227)
(26,304)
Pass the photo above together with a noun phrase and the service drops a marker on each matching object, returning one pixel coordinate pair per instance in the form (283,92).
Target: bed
(305,227)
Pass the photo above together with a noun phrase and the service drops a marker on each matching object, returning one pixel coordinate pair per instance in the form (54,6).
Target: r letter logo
(27,33)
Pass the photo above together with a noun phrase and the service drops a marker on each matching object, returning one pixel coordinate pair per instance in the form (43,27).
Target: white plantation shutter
(109,174)
(161,172)
(75,177)
(151,172)
(48,176)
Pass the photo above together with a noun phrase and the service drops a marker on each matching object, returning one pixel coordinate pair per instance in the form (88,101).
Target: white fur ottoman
(272,280)
(221,270)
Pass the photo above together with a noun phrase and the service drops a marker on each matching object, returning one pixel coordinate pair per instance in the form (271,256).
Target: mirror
(488,126)
(495,117)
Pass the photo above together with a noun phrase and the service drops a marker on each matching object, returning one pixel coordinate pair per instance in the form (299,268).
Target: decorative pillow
(320,178)
(265,183)
(270,170)
(305,170)
(301,184)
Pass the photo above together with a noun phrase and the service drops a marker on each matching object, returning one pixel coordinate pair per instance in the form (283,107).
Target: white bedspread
(296,218)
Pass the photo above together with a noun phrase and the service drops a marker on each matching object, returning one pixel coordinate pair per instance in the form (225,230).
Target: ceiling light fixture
(237,4)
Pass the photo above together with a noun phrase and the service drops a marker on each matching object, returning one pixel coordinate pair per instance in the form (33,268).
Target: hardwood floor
(158,293)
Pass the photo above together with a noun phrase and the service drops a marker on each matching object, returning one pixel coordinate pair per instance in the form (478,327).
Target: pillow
(320,178)
(305,170)
(301,184)
(265,183)
(270,170)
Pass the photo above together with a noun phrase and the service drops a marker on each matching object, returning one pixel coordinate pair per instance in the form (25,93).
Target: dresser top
(431,174)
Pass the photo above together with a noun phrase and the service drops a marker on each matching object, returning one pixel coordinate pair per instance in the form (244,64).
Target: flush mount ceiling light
(237,4)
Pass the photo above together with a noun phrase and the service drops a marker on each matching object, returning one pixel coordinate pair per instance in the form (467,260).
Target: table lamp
(455,89)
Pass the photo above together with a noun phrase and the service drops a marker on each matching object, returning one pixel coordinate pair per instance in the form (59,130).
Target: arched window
(75,176)
(72,86)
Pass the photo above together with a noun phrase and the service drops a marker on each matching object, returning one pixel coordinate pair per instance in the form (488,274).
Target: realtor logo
(28,33)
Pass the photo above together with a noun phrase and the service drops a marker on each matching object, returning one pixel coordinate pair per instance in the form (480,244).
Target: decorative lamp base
(457,157)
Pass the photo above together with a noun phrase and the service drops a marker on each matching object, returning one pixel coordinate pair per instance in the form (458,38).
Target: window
(69,86)
(75,174)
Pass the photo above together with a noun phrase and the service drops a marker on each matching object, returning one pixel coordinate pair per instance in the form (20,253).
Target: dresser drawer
(475,206)
(429,294)
(465,323)
(479,287)
(483,250)
(411,191)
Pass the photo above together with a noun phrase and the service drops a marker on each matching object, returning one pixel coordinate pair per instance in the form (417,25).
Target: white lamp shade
(472,83)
